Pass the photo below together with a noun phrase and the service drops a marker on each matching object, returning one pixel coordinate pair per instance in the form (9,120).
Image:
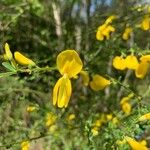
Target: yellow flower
(85,77)
(31,108)
(95,131)
(52,128)
(126,99)
(8,55)
(134,144)
(104,31)
(145,117)
(143,142)
(110,19)
(111,28)
(119,63)
(127,33)
(69,65)
(99,34)
(50,119)
(21,59)
(109,117)
(142,69)
(115,120)
(71,117)
(25,145)
(107,31)
(99,83)
(69,62)
(145,25)
(98,123)
(62,92)
(126,108)
(131,62)
(145,58)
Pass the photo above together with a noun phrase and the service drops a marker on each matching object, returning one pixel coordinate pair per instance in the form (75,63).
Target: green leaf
(6,74)
(9,66)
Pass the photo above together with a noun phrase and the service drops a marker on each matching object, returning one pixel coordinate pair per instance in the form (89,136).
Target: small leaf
(9,66)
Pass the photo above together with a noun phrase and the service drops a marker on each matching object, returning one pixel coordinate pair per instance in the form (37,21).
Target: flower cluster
(131,62)
(101,121)
(51,122)
(105,29)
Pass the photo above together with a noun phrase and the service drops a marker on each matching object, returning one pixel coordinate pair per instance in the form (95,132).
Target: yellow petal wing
(145,25)
(99,83)
(126,108)
(119,63)
(142,69)
(69,62)
(62,92)
(22,60)
(145,117)
(131,62)
(135,145)
(145,58)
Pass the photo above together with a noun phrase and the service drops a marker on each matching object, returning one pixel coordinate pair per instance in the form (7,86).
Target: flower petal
(134,144)
(21,59)
(69,62)
(126,108)
(119,63)
(99,36)
(145,25)
(55,91)
(98,83)
(126,99)
(142,69)
(62,92)
(110,19)
(25,145)
(145,117)
(145,58)
(131,62)
(127,33)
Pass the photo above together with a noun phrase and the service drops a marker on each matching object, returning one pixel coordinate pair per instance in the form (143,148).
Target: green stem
(125,87)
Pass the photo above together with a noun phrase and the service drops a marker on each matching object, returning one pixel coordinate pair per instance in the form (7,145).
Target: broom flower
(22,60)
(69,65)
